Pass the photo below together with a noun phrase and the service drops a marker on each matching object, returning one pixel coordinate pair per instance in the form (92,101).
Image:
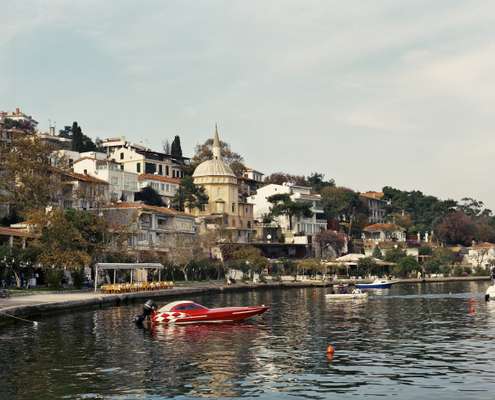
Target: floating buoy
(330,350)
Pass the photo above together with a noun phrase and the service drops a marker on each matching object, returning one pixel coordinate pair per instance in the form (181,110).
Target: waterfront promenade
(33,305)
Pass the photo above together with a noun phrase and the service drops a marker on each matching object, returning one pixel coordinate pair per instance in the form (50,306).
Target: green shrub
(54,278)
(78,278)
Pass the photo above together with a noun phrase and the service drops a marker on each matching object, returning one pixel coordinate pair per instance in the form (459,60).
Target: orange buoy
(330,350)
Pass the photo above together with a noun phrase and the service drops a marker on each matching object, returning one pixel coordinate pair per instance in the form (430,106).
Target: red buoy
(330,350)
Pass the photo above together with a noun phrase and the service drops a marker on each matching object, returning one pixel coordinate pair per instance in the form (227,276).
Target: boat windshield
(189,307)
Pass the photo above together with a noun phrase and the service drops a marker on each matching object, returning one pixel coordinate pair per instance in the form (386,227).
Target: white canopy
(131,266)
(351,257)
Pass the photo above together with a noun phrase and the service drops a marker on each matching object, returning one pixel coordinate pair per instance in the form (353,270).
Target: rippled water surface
(412,342)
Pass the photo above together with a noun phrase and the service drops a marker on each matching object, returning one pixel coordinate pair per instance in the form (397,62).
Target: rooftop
(141,206)
(383,227)
(160,178)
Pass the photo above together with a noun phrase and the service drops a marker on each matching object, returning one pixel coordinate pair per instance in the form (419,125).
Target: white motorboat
(490,293)
(356,294)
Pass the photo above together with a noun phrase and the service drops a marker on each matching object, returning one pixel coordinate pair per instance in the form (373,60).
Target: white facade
(165,187)
(122,184)
(140,160)
(253,175)
(301,226)
(480,255)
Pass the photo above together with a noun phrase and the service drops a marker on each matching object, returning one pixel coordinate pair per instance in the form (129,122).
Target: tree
(149,196)
(28,181)
(278,178)
(317,182)
(345,205)
(69,239)
(395,255)
(176,149)
(367,266)
(456,228)
(330,238)
(424,211)
(405,266)
(377,253)
(189,195)
(250,259)
(204,152)
(282,204)
(473,208)
(312,265)
(80,142)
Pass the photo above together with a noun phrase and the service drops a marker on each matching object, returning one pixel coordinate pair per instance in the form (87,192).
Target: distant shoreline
(31,306)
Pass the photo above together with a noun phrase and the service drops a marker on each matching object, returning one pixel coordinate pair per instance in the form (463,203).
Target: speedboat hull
(207,316)
(377,285)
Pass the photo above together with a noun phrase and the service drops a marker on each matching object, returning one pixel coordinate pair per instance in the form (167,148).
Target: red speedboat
(189,312)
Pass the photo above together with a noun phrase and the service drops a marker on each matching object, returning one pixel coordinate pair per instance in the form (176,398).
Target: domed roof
(216,166)
(213,168)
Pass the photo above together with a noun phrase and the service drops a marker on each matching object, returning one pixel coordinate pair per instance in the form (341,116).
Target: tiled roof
(84,177)
(15,232)
(373,195)
(145,177)
(483,245)
(383,227)
(163,210)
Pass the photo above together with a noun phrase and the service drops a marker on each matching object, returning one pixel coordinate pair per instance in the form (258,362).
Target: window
(162,186)
(149,168)
(233,207)
(168,187)
(160,169)
(121,156)
(138,168)
(121,167)
(167,171)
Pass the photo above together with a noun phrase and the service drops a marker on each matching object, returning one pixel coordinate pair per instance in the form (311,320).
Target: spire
(216,148)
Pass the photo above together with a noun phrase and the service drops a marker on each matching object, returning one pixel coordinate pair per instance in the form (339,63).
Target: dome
(213,168)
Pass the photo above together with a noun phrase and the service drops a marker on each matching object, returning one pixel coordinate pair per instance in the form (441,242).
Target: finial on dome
(216,148)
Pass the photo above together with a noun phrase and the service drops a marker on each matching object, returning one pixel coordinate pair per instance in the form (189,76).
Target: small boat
(376,284)
(347,296)
(189,312)
(490,293)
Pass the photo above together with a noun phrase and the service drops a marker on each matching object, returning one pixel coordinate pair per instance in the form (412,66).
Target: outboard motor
(148,309)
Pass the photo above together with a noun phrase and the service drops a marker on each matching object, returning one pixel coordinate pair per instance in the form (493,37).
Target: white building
(166,187)
(141,160)
(122,184)
(302,228)
(384,232)
(480,255)
(254,175)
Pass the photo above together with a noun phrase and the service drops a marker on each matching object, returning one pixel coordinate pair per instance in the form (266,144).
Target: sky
(370,93)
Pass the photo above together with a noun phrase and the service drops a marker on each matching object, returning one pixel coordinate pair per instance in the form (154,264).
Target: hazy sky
(371,93)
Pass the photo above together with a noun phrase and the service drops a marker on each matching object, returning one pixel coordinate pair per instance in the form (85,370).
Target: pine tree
(176,150)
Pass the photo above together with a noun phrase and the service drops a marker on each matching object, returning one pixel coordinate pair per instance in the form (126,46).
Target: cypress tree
(176,150)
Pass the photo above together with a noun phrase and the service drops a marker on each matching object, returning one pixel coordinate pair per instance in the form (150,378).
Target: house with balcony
(166,187)
(299,230)
(376,205)
(384,233)
(81,191)
(141,160)
(150,228)
(121,184)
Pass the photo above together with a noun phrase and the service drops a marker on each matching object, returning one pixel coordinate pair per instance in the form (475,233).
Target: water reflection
(412,341)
